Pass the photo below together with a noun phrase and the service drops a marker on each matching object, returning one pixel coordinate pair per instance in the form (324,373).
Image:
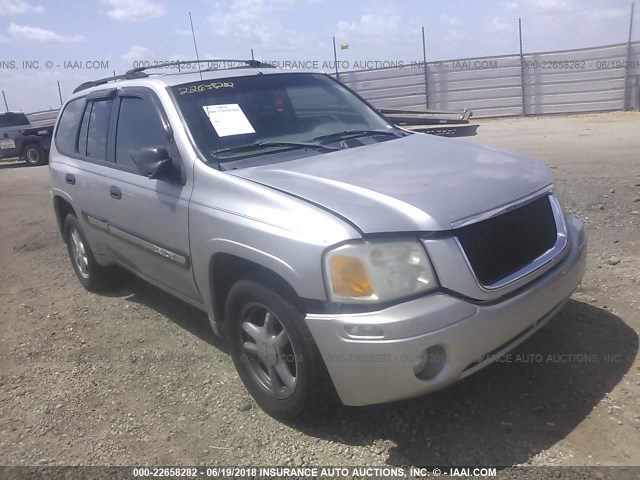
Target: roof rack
(246,63)
(102,81)
(140,71)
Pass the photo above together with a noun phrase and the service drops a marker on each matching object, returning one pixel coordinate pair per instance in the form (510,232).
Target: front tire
(274,353)
(33,155)
(91,275)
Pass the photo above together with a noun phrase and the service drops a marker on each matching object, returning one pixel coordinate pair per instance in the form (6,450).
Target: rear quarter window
(67,131)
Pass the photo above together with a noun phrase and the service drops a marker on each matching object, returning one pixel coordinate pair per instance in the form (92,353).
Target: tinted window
(11,119)
(68,127)
(98,127)
(84,129)
(139,126)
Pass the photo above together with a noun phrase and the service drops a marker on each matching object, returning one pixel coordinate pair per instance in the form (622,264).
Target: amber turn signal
(349,277)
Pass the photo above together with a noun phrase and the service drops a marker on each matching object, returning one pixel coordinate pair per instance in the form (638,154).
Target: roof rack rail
(112,78)
(140,71)
(246,63)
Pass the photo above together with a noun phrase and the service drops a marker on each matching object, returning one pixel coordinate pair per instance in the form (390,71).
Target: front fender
(280,233)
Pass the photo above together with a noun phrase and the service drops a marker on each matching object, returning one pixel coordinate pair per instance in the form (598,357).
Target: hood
(415,183)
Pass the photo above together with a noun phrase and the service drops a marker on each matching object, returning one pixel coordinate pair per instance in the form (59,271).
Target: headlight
(377,271)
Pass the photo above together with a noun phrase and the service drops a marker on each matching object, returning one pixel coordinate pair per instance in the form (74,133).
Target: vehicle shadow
(503,415)
(508,412)
(135,290)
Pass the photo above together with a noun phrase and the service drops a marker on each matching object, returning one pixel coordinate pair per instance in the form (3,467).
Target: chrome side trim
(117,232)
(548,258)
(102,225)
(163,252)
(479,217)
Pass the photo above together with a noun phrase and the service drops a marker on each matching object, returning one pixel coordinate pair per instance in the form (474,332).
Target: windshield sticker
(204,88)
(228,119)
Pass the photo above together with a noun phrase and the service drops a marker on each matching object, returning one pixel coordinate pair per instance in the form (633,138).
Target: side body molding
(180,258)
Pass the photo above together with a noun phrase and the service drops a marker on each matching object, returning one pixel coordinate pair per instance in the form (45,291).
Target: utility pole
(335,57)
(59,92)
(426,71)
(626,73)
(524,103)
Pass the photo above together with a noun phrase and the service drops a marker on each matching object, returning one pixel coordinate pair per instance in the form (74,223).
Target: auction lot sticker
(228,119)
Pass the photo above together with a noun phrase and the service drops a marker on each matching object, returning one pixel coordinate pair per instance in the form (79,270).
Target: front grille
(502,245)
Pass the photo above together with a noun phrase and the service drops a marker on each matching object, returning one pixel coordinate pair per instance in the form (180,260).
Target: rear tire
(91,275)
(33,155)
(274,353)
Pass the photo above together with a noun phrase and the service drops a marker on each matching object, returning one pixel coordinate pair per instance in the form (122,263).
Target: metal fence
(584,80)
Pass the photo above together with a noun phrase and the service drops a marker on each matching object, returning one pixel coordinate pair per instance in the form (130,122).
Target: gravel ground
(132,376)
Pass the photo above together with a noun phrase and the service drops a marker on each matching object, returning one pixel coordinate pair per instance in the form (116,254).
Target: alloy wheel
(268,350)
(79,253)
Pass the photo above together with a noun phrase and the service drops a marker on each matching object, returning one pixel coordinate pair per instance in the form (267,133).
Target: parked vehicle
(336,252)
(27,138)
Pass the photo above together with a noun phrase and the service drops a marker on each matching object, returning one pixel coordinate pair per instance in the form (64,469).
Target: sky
(72,41)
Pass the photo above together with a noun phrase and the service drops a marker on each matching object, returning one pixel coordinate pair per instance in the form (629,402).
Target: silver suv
(336,252)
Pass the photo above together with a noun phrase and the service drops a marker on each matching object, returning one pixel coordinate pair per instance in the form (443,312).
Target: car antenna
(195,45)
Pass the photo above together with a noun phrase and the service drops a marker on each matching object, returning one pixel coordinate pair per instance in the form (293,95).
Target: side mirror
(154,162)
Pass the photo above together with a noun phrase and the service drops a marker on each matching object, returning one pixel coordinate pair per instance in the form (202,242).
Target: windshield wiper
(354,133)
(258,145)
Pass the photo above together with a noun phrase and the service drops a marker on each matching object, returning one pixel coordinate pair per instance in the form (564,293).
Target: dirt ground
(132,376)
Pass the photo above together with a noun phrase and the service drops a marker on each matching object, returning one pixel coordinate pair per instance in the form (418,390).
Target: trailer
(434,122)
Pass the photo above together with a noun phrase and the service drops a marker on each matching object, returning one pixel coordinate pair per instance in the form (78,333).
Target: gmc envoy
(335,252)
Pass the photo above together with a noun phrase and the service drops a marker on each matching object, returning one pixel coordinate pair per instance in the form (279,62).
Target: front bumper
(367,370)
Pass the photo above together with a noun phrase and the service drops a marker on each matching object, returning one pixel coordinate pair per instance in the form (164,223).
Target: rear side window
(139,126)
(67,130)
(92,141)
(11,119)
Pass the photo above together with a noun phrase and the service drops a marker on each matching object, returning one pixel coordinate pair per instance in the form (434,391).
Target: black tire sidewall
(91,283)
(246,291)
(38,149)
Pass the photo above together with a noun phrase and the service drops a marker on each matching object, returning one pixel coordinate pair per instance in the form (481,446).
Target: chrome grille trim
(547,258)
(479,217)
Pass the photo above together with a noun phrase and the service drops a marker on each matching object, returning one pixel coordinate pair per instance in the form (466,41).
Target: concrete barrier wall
(584,80)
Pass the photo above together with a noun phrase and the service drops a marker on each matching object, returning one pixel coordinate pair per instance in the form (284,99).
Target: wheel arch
(62,207)
(225,269)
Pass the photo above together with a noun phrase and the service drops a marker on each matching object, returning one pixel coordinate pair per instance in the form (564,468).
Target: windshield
(249,116)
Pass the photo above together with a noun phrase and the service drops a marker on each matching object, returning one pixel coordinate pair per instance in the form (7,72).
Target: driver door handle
(115,192)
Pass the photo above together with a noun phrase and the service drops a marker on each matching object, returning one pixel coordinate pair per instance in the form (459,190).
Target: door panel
(86,178)
(139,222)
(148,229)
(148,218)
